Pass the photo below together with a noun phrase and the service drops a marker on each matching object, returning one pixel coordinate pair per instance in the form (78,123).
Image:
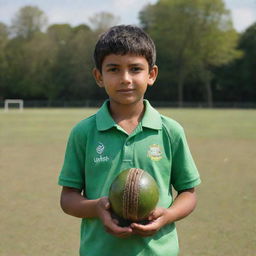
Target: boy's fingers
(137,226)
(145,230)
(115,221)
(114,229)
(111,224)
(156,214)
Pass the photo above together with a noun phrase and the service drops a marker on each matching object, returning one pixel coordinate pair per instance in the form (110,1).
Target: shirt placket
(128,149)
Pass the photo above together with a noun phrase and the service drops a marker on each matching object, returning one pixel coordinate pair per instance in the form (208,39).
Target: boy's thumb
(107,205)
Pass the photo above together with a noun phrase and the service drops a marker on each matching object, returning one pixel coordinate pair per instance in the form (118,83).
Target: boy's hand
(157,219)
(110,224)
(183,205)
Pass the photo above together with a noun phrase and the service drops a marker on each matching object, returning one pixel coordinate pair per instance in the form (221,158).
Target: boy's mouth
(126,90)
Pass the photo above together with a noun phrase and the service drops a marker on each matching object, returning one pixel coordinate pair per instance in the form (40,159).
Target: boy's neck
(127,116)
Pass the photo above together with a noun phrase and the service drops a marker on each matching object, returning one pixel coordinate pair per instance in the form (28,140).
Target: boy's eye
(136,69)
(113,69)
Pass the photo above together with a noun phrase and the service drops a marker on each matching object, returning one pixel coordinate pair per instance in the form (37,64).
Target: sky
(76,12)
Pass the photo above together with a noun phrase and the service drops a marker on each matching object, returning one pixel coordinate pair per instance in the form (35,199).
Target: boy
(127,132)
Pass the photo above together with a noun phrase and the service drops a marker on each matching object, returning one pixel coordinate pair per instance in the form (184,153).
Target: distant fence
(59,103)
(98,103)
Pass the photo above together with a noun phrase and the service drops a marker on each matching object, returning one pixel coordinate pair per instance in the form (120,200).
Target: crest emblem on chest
(154,152)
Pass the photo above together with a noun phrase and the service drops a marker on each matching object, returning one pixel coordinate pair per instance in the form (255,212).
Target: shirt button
(128,143)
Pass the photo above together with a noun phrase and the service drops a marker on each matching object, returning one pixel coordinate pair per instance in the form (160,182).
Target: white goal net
(10,103)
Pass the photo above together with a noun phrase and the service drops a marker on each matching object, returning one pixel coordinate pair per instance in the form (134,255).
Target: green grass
(32,145)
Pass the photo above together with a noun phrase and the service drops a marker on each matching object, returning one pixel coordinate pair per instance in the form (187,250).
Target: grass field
(32,145)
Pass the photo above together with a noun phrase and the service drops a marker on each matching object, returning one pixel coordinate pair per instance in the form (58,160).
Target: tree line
(201,57)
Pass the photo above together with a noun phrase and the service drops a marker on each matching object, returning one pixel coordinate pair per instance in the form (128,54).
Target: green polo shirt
(98,149)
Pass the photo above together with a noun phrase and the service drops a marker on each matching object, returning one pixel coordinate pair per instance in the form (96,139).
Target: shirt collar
(151,118)
(104,120)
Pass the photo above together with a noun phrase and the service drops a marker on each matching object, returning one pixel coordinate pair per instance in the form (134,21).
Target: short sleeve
(184,171)
(72,172)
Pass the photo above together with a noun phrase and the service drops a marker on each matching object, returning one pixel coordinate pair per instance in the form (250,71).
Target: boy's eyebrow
(112,64)
(136,64)
(115,65)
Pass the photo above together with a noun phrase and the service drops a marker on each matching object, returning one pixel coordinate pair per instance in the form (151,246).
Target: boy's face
(125,77)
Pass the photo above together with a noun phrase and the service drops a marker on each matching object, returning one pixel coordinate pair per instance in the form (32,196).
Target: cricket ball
(133,195)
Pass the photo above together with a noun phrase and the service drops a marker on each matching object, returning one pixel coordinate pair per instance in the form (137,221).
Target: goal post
(18,103)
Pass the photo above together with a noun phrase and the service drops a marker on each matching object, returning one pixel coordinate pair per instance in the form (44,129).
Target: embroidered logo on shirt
(154,152)
(100,149)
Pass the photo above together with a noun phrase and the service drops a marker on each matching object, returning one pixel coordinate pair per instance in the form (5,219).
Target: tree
(16,69)
(28,21)
(237,80)
(3,64)
(23,54)
(247,64)
(217,44)
(40,55)
(59,74)
(193,36)
(82,46)
(71,76)
(3,35)
(102,21)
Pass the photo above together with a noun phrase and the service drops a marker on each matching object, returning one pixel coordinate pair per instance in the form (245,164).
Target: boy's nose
(125,78)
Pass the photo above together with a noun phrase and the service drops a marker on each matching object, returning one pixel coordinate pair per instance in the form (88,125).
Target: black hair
(124,39)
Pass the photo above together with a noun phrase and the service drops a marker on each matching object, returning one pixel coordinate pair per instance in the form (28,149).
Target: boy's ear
(152,75)
(98,77)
